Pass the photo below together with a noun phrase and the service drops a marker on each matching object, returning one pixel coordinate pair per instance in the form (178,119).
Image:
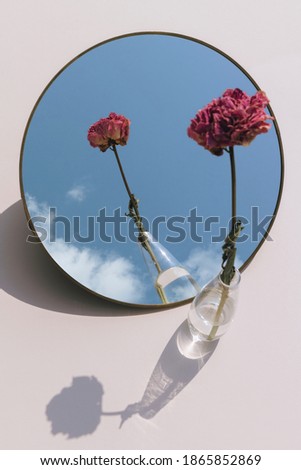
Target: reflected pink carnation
(108,131)
(233,119)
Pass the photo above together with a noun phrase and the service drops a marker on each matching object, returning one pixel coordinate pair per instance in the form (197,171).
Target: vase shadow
(181,360)
(29,274)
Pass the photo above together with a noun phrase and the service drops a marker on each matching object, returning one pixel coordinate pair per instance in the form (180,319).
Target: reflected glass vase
(212,310)
(172,281)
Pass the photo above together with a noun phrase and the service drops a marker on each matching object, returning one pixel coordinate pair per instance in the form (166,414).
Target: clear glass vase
(212,310)
(172,281)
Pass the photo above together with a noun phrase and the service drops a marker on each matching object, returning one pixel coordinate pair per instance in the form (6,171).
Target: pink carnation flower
(233,119)
(108,131)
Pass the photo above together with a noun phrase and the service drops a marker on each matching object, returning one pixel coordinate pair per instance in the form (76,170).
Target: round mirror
(76,198)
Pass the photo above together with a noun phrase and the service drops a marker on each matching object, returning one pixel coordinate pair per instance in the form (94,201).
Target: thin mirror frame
(280,146)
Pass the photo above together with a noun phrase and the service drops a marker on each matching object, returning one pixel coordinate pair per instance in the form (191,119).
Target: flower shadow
(182,359)
(77,409)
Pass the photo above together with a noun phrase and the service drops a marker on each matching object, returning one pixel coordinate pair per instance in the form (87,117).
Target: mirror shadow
(28,273)
(182,359)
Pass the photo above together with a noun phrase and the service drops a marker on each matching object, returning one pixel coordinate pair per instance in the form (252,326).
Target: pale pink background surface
(248,394)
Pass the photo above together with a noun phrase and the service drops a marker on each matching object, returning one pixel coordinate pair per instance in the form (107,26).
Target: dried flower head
(233,119)
(108,131)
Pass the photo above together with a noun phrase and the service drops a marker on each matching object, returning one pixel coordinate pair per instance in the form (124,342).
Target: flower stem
(229,250)
(233,185)
(218,313)
(131,196)
(133,200)
(138,221)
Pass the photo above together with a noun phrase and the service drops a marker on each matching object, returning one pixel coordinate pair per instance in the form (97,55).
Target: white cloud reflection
(77,193)
(111,276)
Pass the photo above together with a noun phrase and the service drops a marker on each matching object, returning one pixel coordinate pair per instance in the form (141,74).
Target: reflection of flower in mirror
(108,131)
(233,119)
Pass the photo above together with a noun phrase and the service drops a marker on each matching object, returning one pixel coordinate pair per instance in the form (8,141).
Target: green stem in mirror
(134,214)
(229,248)
(131,196)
